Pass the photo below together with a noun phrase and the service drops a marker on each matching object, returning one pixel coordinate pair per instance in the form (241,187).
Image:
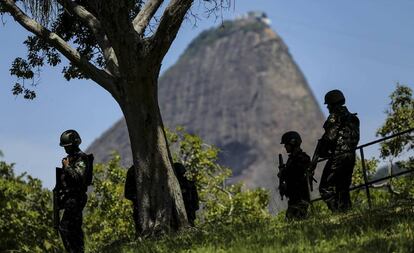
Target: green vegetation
(219,202)
(25,214)
(385,229)
(400,117)
(108,215)
(231,219)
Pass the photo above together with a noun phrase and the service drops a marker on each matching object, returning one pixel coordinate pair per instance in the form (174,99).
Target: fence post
(364,172)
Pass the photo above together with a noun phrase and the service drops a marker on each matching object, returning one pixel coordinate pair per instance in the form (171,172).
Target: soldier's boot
(329,197)
(344,201)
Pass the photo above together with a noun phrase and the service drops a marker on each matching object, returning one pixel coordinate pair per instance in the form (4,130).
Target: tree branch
(167,30)
(96,27)
(143,18)
(103,78)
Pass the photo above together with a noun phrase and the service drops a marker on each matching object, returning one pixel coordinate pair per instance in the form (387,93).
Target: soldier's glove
(65,162)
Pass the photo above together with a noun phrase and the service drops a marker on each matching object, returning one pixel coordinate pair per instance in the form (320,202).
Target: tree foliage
(220,201)
(25,214)
(80,24)
(108,215)
(400,117)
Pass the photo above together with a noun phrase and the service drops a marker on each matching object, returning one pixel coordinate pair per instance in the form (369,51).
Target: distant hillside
(237,87)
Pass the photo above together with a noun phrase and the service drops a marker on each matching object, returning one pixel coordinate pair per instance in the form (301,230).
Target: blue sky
(361,47)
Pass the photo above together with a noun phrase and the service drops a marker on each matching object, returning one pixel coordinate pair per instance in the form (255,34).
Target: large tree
(120,45)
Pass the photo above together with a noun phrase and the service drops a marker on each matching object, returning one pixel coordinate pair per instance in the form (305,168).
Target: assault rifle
(56,199)
(282,182)
(313,164)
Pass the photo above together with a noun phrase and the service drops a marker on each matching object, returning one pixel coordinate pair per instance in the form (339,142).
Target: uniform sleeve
(76,172)
(331,127)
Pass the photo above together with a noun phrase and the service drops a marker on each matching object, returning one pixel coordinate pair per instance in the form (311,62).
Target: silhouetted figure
(189,191)
(293,177)
(339,141)
(130,193)
(74,178)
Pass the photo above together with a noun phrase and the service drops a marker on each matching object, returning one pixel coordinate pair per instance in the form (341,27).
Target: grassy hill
(386,228)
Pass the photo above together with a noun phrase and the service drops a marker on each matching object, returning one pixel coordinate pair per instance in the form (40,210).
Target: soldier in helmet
(294,176)
(189,191)
(338,143)
(72,194)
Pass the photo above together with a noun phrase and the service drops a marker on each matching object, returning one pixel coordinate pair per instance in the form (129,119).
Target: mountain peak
(238,88)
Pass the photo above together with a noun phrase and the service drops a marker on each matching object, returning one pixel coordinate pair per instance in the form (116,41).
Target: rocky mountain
(237,87)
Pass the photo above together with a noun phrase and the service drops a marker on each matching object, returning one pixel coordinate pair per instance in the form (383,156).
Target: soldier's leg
(326,186)
(303,209)
(297,207)
(291,212)
(346,170)
(71,227)
(191,215)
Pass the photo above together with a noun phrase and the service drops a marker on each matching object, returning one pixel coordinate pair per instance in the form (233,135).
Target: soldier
(130,193)
(189,191)
(293,176)
(75,176)
(338,143)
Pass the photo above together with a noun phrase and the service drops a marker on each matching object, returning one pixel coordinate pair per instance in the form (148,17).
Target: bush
(26,214)
(108,215)
(219,202)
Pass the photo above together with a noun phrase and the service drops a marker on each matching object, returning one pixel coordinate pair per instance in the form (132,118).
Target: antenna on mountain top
(260,16)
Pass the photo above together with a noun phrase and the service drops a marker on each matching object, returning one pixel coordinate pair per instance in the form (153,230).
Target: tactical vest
(348,132)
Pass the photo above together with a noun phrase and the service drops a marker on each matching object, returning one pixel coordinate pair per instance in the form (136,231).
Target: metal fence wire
(368,183)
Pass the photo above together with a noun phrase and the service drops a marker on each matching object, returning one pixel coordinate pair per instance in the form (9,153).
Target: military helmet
(293,138)
(70,137)
(334,97)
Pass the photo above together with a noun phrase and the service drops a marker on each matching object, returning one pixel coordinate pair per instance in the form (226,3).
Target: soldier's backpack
(89,169)
(351,123)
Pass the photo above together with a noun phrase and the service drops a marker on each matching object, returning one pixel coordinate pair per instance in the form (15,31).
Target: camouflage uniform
(339,141)
(72,200)
(189,191)
(294,174)
(131,194)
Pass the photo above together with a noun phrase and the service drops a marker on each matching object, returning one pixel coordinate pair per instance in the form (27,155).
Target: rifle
(56,197)
(282,182)
(313,164)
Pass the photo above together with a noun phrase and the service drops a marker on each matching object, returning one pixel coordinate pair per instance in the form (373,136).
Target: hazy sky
(361,47)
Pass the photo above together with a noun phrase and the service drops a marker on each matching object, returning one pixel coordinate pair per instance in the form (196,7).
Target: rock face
(238,88)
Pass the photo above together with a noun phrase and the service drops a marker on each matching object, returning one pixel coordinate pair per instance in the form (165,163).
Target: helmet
(335,97)
(70,137)
(292,138)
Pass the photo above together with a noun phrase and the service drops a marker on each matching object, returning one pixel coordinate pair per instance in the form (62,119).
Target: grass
(383,229)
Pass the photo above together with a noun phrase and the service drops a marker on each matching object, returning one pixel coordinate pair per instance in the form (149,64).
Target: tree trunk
(161,206)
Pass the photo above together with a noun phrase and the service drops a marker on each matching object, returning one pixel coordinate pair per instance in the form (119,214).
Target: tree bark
(161,207)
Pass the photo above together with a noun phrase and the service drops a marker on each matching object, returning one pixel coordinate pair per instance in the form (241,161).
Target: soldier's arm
(76,172)
(331,127)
